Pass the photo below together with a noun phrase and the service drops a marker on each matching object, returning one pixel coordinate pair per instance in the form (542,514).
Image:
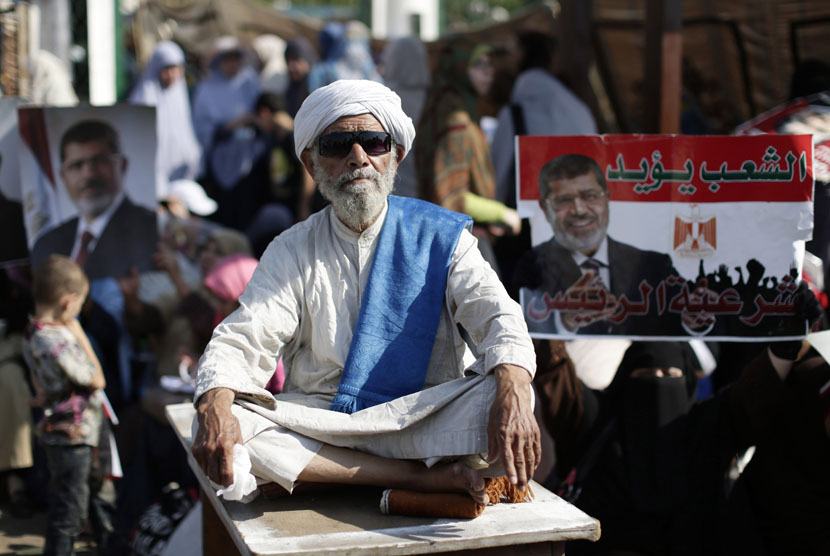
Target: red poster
(665,236)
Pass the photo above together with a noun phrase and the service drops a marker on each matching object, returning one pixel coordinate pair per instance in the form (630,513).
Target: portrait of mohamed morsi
(88,186)
(665,236)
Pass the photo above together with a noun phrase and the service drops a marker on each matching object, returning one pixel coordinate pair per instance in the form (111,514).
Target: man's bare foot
(468,480)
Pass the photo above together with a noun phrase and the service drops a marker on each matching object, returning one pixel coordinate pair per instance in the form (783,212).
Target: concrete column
(101,51)
(394,18)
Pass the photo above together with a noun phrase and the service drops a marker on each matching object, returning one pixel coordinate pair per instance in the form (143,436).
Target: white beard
(93,207)
(356,205)
(571,242)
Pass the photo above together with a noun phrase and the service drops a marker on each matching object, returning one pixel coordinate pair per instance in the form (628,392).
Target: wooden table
(348,522)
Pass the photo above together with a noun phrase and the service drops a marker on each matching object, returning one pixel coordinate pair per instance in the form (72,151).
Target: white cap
(193,196)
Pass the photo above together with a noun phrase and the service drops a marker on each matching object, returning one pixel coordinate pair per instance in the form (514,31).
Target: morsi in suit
(550,268)
(128,241)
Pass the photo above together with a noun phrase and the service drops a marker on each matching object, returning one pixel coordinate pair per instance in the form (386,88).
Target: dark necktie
(593,265)
(83,252)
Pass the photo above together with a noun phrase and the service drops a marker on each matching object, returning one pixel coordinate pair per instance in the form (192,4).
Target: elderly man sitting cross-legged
(364,301)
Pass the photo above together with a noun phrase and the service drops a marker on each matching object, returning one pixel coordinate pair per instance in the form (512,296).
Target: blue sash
(395,332)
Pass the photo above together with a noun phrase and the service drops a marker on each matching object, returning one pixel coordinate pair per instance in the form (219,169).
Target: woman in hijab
(451,152)
(406,71)
(163,85)
(300,57)
(190,321)
(223,115)
(222,242)
(273,73)
(346,55)
(624,455)
(226,281)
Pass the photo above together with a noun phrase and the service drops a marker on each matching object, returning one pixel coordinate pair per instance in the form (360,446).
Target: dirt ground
(24,537)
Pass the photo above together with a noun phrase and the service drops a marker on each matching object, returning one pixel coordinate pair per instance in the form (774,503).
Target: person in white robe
(164,86)
(273,72)
(223,108)
(472,417)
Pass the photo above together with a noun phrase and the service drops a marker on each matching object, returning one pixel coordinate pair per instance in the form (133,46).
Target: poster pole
(663,66)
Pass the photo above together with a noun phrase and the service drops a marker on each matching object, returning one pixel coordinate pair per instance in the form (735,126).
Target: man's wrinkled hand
(512,431)
(218,432)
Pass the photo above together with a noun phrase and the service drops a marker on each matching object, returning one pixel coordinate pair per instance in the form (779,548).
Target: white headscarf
(178,152)
(273,77)
(219,100)
(348,97)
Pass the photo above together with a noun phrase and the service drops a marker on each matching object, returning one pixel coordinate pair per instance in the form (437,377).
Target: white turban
(352,97)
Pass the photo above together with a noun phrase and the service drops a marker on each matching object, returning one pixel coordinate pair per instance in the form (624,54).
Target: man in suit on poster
(583,263)
(111,235)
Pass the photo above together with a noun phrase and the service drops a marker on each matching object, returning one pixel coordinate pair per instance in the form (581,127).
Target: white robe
(303,302)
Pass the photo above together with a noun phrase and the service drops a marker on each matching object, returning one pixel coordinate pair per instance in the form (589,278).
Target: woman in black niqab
(637,484)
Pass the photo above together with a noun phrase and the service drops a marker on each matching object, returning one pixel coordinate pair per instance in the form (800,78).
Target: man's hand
(512,431)
(98,381)
(217,434)
(588,291)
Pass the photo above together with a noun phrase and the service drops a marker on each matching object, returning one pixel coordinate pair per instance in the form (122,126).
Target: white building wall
(393,18)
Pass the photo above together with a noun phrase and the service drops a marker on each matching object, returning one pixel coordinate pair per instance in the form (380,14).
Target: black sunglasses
(340,143)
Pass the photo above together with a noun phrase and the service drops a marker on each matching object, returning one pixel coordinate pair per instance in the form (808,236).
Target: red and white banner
(693,235)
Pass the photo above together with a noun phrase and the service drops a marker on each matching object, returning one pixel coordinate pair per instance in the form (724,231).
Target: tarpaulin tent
(194,24)
(738,55)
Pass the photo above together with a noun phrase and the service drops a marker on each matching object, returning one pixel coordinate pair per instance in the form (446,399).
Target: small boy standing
(68,381)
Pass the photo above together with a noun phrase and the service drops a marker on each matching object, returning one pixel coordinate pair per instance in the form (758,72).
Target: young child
(68,381)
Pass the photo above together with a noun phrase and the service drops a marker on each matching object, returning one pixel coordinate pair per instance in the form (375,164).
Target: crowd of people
(251,164)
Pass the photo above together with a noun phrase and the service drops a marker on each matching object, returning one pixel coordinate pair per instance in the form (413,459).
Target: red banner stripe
(679,168)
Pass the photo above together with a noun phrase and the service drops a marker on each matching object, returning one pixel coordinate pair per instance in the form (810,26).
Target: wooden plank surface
(348,520)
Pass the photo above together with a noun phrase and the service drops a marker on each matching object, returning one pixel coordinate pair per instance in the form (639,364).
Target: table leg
(215,538)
